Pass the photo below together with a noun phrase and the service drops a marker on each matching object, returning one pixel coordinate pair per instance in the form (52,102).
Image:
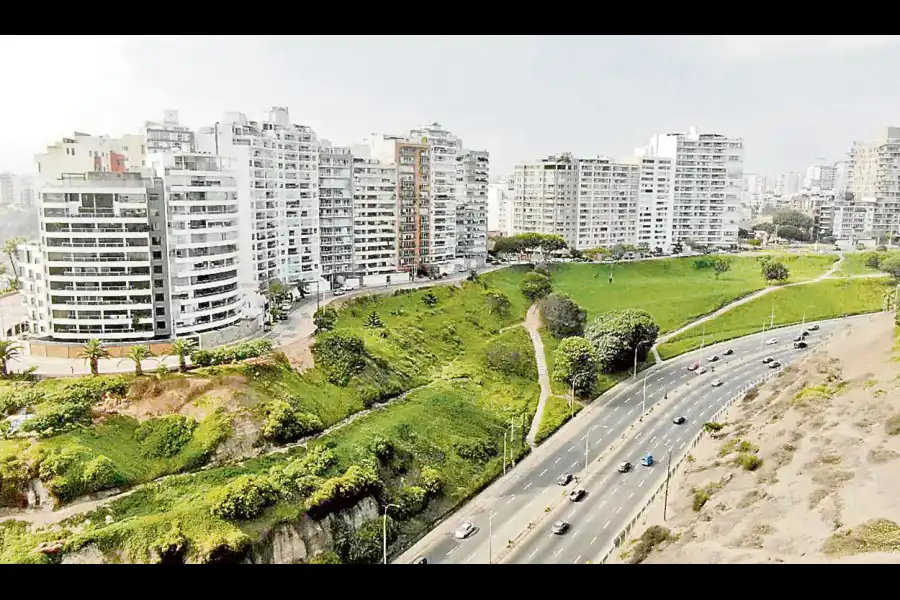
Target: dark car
(813,327)
(421,561)
(805,333)
(678,420)
(713,358)
(800,344)
(799,338)
(767,360)
(774,365)
(564,479)
(576,495)
(729,352)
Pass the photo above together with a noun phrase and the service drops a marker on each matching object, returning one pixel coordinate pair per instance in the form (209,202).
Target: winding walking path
(532,324)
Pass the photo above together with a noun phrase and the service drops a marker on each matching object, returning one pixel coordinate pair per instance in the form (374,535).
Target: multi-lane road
(599,439)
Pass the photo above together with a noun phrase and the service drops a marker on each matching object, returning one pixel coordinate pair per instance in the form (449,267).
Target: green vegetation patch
(876,535)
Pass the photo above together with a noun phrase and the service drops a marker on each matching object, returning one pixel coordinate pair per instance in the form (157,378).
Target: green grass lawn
(557,413)
(855,264)
(673,291)
(822,300)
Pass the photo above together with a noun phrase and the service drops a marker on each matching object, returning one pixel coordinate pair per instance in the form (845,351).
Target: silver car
(465,529)
(560,527)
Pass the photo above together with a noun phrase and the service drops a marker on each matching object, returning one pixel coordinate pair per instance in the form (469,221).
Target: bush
(543,269)
(284,424)
(431,480)
(535,286)
(230,354)
(344,491)
(164,437)
(412,500)
(70,473)
(373,321)
(381,447)
(52,419)
(562,316)
(430,300)
(652,537)
(576,357)
(498,302)
(365,545)
(325,558)
(773,270)
(873,260)
(750,462)
(324,318)
(616,335)
(712,427)
(477,451)
(340,356)
(701,497)
(510,360)
(244,498)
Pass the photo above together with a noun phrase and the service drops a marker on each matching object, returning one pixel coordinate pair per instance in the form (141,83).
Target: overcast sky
(792,98)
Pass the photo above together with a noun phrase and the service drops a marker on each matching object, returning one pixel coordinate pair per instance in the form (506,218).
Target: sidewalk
(68,367)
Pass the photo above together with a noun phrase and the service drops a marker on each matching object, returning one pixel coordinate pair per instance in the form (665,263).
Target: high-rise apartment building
(335,209)
(84,152)
(375,210)
(873,179)
(545,197)
(607,201)
(168,135)
(277,169)
(99,271)
(705,197)
(500,207)
(8,189)
(654,201)
(821,177)
(471,206)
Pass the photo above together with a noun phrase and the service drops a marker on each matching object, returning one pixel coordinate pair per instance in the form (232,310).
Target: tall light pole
(504,453)
(703,337)
(384,529)
(635,355)
(574,379)
(644,399)
(490,533)
(803,322)
(772,316)
(668,476)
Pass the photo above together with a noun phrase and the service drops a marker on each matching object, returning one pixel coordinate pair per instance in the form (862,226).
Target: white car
(716,382)
(700,371)
(771,341)
(339,292)
(350,287)
(465,529)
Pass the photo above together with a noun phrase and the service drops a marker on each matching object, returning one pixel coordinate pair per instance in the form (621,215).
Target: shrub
(69,473)
(381,447)
(498,302)
(652,537)
(510,360)
(873,260)
(340,355)
(365,545)
(231,354)
(163,437)
(562,316)
(284,424)
(475,450)
(713,427)
(750,462)
(616,335)
(52,419)
(412,500)
(373,321)
(701,497)
(244,498)
(535,286)
(344,491)
(431,480)
(324,318)
(543,269)
(325,558)
(773,270)
(430,300)
(575,357)
(892,425)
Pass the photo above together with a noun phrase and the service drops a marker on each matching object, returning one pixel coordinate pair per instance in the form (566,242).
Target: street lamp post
(644,399)
(490,533)
(384,529)
(635,355)
(803,322)
(703,337)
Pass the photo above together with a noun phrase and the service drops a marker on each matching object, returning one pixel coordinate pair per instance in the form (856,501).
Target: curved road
(526,493)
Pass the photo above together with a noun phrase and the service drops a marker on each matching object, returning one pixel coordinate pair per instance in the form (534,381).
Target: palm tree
(93,352)
(181,348)
(136,354)
(10,249)
(9,349)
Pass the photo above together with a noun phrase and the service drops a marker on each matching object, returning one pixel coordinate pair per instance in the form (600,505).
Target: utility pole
(668,476)
(635,356)
(703,337)
(490,533)
(384,529)
(772,316)
(587,446)
(504,453)
(644,399)
(317,294)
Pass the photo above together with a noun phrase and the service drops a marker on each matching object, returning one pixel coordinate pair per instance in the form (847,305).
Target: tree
(182,348)
(9,349)
(792,232)
(498,302)
(430,300)
(744,234)
(643,248)
(576,359)
(535,286)
(721,265)
(373,321)
(618,251)
(616,335)
(562,315)
(773,270)
(767,227)
(792,218)
(891,265)
(873,260)
(136,354)
(10,249)
(325,318)
(93,352)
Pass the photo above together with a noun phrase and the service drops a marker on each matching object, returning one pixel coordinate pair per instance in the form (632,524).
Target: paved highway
(524,495)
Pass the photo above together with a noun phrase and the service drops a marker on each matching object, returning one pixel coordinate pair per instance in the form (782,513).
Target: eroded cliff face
(299,541)
(285,543)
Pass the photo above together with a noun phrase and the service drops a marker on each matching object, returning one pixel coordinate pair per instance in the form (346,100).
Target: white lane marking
(593,428)
(584,437)
(681,446)
(619,421)
(694,422)
(631,496)
(589,519)
(597,443)
(533,552)
(470,558)
(618,509)
(574,464)
(493,514)
(511,498)
(642,482)
(557,553)
(684,375)
(593,540)
(651,439)
(452,550)
(616,408)
(696,403)
(542,473)
(575,535)
(571,448)
(577,559)
(630,411)
(527,506)
(659,378)
(528,486)
(604,480)
(557,460)
(605,526)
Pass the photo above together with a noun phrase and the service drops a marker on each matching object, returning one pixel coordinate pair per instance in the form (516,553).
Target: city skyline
(489,87)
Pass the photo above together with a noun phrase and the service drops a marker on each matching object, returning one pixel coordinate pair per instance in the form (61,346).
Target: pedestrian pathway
(533,324)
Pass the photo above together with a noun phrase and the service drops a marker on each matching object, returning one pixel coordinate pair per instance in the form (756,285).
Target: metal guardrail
(620,538)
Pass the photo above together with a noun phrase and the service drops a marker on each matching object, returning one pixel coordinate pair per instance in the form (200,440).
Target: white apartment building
(168,135)
(443,148)
(201,238)
(500,207)
(655,193)
(788,183)
(99,271)
(545,197)
(471,206)
(375,211)
(277,169)
(8,186)
(853,221)
(873,178)
(821,177)
(335,210)
(607,201)
(84,152)
(705,198)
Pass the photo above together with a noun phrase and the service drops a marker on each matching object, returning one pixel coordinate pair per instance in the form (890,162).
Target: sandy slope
(829,465)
